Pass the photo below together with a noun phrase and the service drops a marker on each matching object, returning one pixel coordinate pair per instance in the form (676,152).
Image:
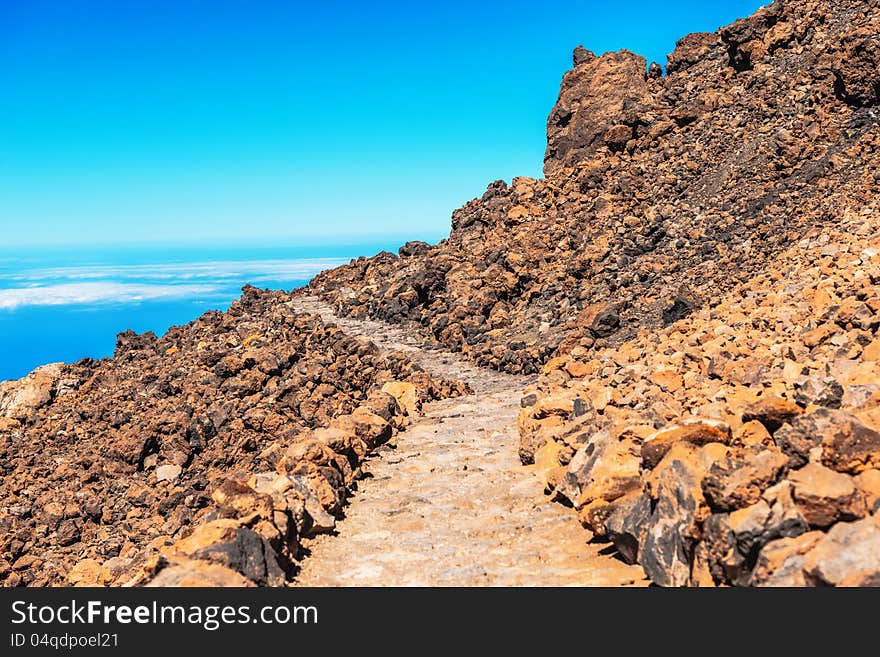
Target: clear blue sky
(294,122)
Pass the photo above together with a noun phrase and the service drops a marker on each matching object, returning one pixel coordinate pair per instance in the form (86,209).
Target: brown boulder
(226,543)
(857,70)
(772,412)
(19,400)
(601,319)
(406,395)
(825,496)
(691,49)
(182,572)
(604,469)
(781,562)
(868,483)
(366,425)
(694,432)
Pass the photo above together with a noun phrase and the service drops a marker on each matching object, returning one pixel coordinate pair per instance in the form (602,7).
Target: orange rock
(825,496)
(819,335)
(772,412)
(546,458)
(668,380)
(868,483)
(752,433)
(694,432)
(183,572)
(89,572)
(578,369)
(872,351)
(406,395)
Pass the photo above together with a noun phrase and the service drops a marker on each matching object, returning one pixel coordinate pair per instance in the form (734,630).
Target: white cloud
(97,283)
(252,271)
(94,293)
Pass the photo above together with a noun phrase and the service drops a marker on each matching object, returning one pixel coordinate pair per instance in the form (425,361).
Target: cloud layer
(108,283)
(98,292)
(251,270)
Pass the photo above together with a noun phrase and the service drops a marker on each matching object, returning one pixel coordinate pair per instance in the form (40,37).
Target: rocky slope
(660,191)
(739,445)
(202,457)
(695,278)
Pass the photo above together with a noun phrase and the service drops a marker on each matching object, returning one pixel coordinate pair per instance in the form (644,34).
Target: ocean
(66,304)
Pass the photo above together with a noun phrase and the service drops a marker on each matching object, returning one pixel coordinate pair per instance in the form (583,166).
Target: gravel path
(448,502)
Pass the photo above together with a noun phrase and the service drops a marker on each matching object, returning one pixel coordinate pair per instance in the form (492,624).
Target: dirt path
(448,502)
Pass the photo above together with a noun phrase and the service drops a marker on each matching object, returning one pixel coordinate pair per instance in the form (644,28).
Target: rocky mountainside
(660,193)
(239,432)
(696,280)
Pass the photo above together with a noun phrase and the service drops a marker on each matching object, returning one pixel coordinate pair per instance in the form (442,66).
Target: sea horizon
(64,304)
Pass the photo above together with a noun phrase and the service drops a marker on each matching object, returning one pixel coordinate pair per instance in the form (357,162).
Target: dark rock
(857,70)
(679,307)
(581,56)
(821,391)
(627,525)
(847,444)
(692,49)
(672,529)
(413,248)
(600,319)
(247,553)
(740,479)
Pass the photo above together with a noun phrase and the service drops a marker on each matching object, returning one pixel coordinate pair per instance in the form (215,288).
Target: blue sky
(286,122)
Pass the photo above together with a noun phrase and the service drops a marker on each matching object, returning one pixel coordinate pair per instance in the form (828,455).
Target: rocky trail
(447,502)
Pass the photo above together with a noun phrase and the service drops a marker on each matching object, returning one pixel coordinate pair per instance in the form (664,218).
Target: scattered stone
(168,472)
(821,391)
